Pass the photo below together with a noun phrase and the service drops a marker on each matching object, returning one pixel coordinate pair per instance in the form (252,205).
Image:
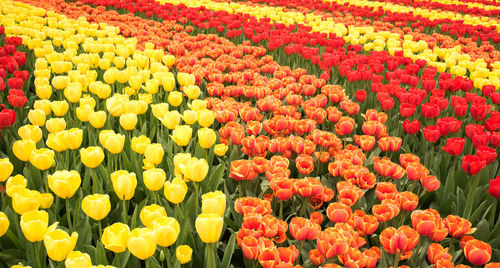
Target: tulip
(154,153)
(175,98)
(59,244)
(154,178)
(150,213)
(91,156)
(22,149)
(59,108)
(166,230)
(37,117)
(73,92)
(115,237)
(180,160)
(213,202)
(206,118)
(185,79)
(183,254)
(87,101)
(209,227)
(195,169)
(34,225)
(477,252)
(190,117)
(142,243)
(77,259)
(42,159)
(302,229)
(46,200)
(96,206)
(171,119)
(73,138)
(6,169)
(114,144)
(206,137)
(397,241)
(175,191)
(55,125)
(152,86)
(128,121)
(454,146)
(159,110)
(192,91)
(139,144)
(83,113)
(97,119)
(30,132)
(220,149)
(44,105)
(4,223)
(64,183)
(472,164)
(182,135)
(15,184)
(25,200)
(198,105)
(124,184)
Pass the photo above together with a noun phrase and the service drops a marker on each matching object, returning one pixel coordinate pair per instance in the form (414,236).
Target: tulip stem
(68,215)
(100,228)
(196,198)
(396,260)
(281,209)
(240,189)
(493,212)
(124,207)
(167,256)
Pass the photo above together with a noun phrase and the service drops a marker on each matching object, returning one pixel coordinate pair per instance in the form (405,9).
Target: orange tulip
(400,241)
(338,212)
(477,252)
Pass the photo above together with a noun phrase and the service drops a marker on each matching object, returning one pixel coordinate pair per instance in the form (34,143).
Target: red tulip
(472,164)
(494,189)
(431,133)
(454,146)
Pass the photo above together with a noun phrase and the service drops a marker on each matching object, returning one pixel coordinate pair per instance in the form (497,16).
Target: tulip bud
(59,244)
(185,79)
(64,183)
(209,227)
(206,137)
(128,121)
(4,223)
(183,254)
(195,169)
(42,159)
(54,125)
(34,225)
(91,156)
(115,237)
(14,184)
(159,109)
(175,191)
(25,200)
(220,149)
(198,105)
(59,108)
(73,92)
(189,117)
(97,119)
(77,259)
(213,202)
(36,117)
(124,184)
(150,213)
(191,91)
(182,135)
(73,138)
(175,98)
(115,143)
(83,113)
(154,153)
(139,144)
(22,149)
(206,118)
(166,230)
(46,200)
(30,132)
(96,206)
(6,169)
(142,243)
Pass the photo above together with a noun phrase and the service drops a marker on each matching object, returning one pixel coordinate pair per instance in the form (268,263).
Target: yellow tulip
(34,225)
(149,213)
(124,184)
(97,119)
(195,169)
(182,135)
(25,200)
(54,125)
(206,118)
(171,119)
(73,138)
(87,100)
(14,184)
(168,83)
(43,91)
(166,230)
(22,149)
(42,159)
(168,60)
(180,160)
(142,243)
(96,206)
(183,253)
(206,137)
(220,149)
(59,108)
(175,191)
(46,200)
(213,202)
(77,259)
(115,143)
(159,109)
(198,105)
(128,121)
(135,82)
(83,113)
(152,86)
(185,79)
(4,223)
(110,76)
(30,132)
(37,117)
(154,153)
(154,178)
(91,156)
(55,141)
(175,98)
(64,183)
(139,144)
(115,237)
(44,105)
(104,64)
(104,135)
(192,91)
(6,169)
(59,244)
(209,227)
(73,92)
(190,117)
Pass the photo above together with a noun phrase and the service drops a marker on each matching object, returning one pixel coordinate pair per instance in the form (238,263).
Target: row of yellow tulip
(81,71)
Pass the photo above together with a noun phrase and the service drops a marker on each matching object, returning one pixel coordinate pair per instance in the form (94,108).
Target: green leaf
(100,254)
(226,260)
(121,259)
(152,263)
(216,177)
(482,231)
